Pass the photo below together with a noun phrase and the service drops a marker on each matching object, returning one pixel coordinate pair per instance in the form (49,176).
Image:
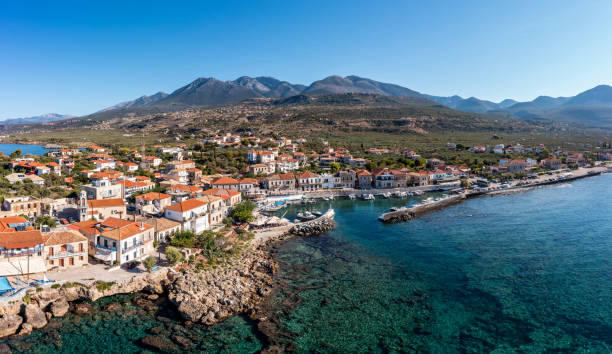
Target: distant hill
(591,108)
(43,118)
(269,87)
(356,84)
(139,102)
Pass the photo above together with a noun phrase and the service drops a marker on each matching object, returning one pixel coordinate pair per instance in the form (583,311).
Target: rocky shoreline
(199,296)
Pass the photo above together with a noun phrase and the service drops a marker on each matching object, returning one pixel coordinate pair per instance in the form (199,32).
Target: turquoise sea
(526,272)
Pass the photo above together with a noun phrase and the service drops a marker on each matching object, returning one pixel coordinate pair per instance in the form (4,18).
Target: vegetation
(104,285)
(44,220)
(243,212)
(149,263)
(173,255)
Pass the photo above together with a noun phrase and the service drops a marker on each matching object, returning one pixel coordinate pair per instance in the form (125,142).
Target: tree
(173,255)
(335,167)
(16,153)
(149,263)
(243,212)
(45,220)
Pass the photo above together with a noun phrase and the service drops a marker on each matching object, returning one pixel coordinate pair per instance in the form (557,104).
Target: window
(51,262)
(80,258)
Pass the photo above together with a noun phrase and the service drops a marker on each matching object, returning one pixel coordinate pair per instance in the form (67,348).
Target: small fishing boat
(305,216)
(351,197)
(368,197)
(317,213)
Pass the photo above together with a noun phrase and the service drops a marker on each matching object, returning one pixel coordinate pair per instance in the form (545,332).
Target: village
(108,212)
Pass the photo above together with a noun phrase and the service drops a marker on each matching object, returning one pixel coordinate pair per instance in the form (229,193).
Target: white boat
(351,197)
(306,216)
(419,192)
(317,213)
(368,197)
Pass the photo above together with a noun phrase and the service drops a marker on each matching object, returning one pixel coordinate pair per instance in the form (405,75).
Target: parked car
(64,221)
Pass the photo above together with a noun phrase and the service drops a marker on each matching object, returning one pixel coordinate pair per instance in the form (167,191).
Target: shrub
(243,212)
(149,263)
(173,255)
(104,285)
(56,286)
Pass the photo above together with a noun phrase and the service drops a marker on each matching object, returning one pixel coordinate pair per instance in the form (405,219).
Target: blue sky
(77,57)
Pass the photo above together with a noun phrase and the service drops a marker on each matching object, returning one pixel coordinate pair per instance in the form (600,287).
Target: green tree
(173,255)
(243,212)
(44,220)
(149,263)
(16,153)
(335,167)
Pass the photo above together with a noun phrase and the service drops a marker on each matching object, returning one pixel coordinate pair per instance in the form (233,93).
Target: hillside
(303,115)
(49,117)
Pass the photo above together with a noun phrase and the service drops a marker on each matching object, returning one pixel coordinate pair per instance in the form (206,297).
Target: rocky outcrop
(313,227)
(159,344)
(223,292)
(34,316)
(59,307)
(9,323)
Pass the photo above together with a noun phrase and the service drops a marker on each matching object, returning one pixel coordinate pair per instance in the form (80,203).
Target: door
(61,262)
(64,248)
(70,261)
(50,251)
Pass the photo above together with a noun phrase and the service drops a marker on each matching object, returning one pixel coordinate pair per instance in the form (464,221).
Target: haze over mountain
(48,117)
(591,108)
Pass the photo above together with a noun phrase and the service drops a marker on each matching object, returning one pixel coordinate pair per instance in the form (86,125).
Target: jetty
(405,214)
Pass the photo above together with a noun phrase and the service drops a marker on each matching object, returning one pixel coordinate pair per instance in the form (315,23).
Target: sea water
(528,271)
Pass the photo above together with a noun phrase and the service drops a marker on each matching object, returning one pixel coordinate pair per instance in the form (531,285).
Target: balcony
(109,249)
(65,254)
(132,247)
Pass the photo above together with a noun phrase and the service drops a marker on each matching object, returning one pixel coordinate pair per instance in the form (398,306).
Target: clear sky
(78,57)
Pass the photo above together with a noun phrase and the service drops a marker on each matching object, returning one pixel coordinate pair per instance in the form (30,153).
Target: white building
(192,213)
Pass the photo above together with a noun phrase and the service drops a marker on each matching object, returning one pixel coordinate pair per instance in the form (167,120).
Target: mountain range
(43,118)
(591,108)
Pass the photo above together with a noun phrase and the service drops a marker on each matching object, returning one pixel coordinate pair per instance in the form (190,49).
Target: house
(117,240)
(131,187)
(308,181)
(180,165)
(103,188)
(103,209)
(258,169)
(433,163)
(477,149)
(383,178)
(96,148)
(26,205)
(248,185)
(400,178)
(192,213)
(516,166)
(22,177)
(65,248)
(153,202)
(498,149)
(575,159)
(230,197)
(552,164)
(329,181)
(346,179)
(149,162)
(226,183)
(14,223)
(129,166)
(364,179)
(217,209)
(164,228)
(285,181)
(104,164)
(21,252)
(419,178)
(357,162)
(182,192)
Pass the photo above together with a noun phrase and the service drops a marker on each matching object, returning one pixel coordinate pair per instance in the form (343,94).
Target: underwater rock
(158,343)
(112,307)
(5,349)
(183,342)
(83,308)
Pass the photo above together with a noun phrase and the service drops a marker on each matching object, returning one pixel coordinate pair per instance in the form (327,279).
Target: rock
(34,316)
(26,329)
(112,307)
(5,349)
(273,349)
(59,307)
(158,343)
(152,297)
(9,324)
(156,330)
(185,343)
(83,308)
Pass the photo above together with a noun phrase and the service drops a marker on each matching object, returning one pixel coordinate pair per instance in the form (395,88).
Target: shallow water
(526,272)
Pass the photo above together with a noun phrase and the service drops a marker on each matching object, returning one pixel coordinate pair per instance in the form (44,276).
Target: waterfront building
(192,213)
(65,248)
(21,253)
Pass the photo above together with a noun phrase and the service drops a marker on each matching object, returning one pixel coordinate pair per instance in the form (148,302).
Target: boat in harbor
(400,194)
(351,197)
(317,213)
(385,195)
(418,192)
(367,197)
